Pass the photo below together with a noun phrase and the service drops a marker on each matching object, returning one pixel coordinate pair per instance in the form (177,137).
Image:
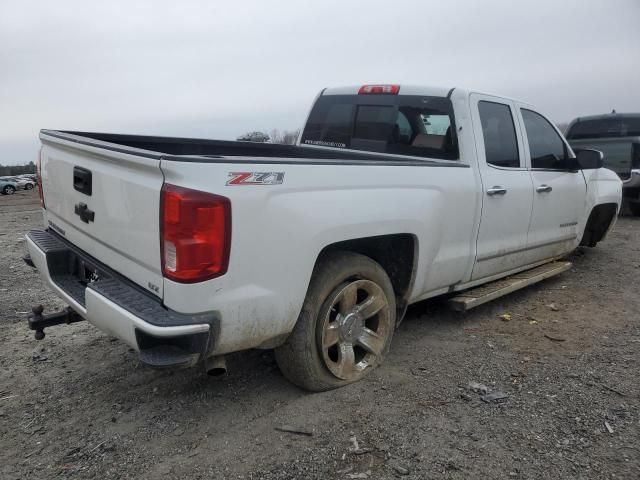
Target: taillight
(39,177)
(379,90)
(195,234)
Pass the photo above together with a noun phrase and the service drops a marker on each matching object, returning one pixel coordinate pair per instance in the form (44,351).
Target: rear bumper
(115,305)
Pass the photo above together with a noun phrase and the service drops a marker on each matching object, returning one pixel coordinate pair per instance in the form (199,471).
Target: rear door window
(499,133)
(402,125)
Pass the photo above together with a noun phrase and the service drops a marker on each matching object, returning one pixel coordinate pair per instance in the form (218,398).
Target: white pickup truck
(190,249)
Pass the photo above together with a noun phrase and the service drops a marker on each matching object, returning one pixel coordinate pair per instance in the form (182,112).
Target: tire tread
(298,358)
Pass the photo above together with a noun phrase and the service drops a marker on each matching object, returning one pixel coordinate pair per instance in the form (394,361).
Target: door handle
(544,188)
(496,190)
(82,180)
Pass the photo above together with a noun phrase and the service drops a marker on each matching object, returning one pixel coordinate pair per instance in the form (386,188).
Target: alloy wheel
(354,329)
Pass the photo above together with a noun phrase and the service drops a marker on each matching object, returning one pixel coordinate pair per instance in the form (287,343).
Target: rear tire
(635,209)
(345,327)
(8,190)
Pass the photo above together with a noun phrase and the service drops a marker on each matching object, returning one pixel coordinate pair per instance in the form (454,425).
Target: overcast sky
(219,69)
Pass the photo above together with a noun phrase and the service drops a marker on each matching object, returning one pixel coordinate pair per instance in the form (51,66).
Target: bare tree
(9,170)
(276,136)
(286,137)
(562,126)
(289,137)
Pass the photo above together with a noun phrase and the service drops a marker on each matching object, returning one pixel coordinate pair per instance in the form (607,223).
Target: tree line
(286,137)
(11,170)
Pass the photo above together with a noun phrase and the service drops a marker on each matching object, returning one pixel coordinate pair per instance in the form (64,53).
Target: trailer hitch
(38,321)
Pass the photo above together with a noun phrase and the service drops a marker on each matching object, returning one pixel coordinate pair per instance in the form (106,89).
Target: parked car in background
(258,137)
(7,186)
(22,183)
(32,177)
(617,136)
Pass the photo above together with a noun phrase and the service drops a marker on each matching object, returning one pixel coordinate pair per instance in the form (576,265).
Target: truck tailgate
(107,203)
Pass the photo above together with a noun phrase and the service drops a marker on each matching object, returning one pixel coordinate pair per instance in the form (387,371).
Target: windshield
(605,128)
(397,124)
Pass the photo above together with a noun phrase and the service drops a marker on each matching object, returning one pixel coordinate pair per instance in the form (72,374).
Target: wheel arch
(397,254)
(600,221)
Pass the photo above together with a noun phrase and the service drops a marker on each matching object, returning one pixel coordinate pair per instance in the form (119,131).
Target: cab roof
(420,90)
(404,90)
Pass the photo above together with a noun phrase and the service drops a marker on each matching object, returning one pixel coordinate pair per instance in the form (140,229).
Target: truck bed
(217,151)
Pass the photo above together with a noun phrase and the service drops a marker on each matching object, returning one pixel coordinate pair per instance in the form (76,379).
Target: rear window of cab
(408,125)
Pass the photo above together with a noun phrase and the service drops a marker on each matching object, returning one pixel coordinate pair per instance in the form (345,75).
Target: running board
(468,299)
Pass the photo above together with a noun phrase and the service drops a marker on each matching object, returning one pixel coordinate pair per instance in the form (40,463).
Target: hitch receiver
(38,321)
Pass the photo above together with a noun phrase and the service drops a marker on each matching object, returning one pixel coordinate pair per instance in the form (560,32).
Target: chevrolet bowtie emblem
(84,213)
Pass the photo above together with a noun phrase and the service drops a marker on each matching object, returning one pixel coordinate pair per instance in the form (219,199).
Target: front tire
(8,190)
(345,327)
(28,186)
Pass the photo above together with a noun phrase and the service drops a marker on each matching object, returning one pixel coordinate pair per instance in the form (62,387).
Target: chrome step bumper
(118,307)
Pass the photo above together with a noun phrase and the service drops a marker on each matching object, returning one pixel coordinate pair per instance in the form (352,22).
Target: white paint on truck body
(275,246)
(463,235)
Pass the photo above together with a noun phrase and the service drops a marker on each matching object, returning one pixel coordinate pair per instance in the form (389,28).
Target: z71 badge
(255,178)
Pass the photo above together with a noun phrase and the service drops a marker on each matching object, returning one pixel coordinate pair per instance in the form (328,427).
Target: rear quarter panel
(278,231)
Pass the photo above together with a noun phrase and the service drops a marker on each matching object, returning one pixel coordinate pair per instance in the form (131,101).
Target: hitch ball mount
(38,322)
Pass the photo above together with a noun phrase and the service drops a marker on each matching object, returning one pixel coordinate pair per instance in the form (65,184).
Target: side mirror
(588,159)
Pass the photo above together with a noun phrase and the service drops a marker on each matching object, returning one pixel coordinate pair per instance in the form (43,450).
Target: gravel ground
(78,404)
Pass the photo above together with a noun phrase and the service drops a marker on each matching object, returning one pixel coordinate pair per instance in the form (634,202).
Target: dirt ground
(78,404)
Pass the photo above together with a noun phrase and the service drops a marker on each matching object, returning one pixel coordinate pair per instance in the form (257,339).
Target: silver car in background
(22,183)
(7,186)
